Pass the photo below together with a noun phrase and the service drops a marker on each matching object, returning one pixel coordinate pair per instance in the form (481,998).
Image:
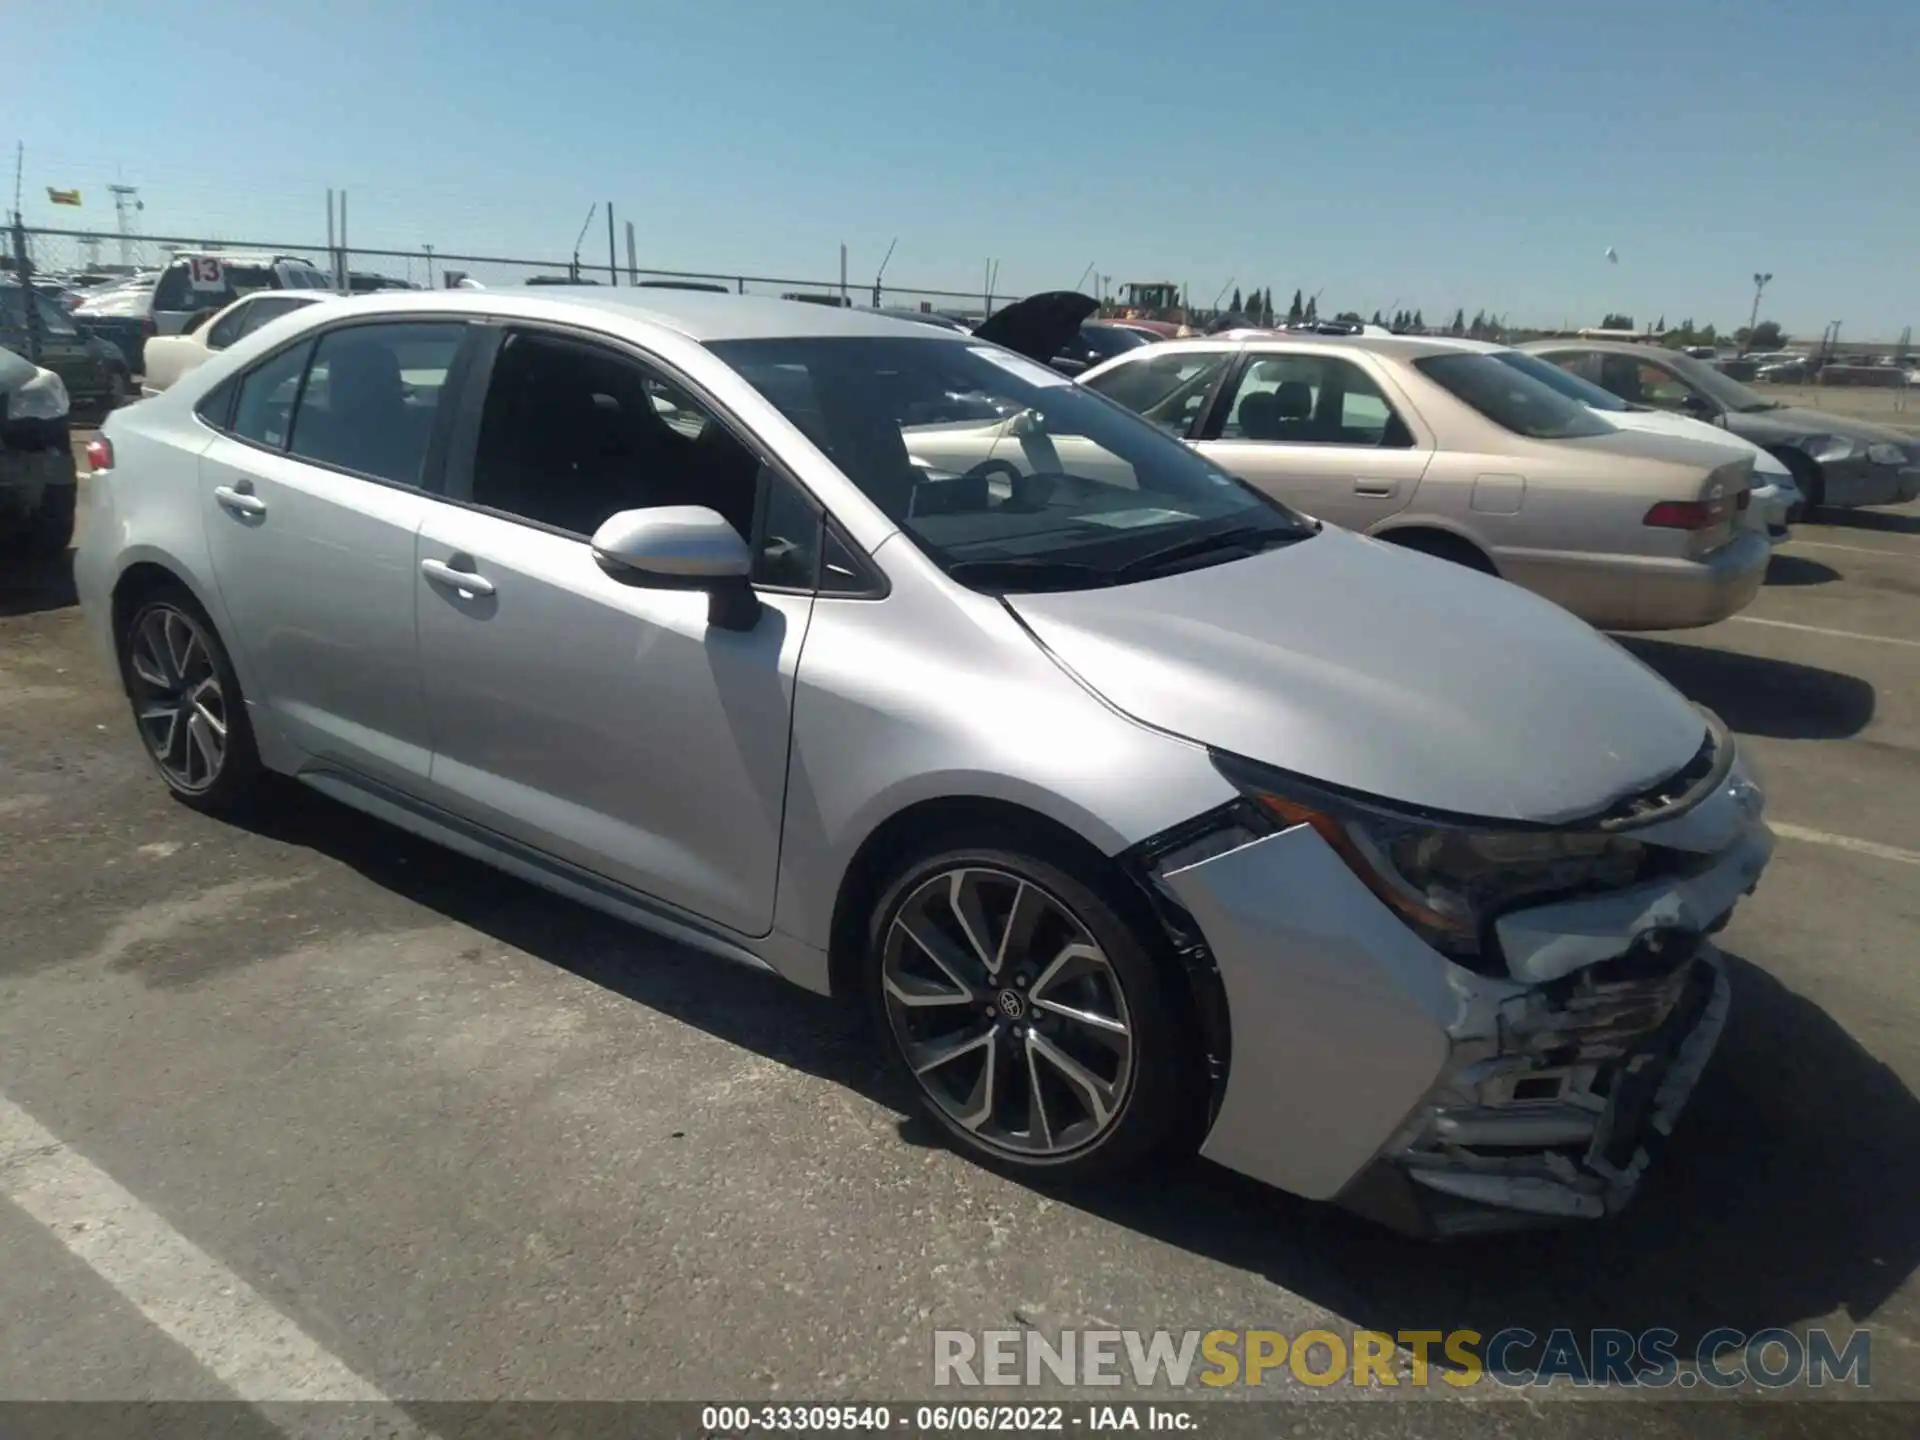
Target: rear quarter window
(1510,398)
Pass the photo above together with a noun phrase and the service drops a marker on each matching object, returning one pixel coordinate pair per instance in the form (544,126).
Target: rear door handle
(239,501)
(465,581)
(1373,488)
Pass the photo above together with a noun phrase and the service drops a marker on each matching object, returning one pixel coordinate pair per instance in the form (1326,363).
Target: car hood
(1790,423)
(1660,422)
(15,371)
(1374,668)
(1039,326)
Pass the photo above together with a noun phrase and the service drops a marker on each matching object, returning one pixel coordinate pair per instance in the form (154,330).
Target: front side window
(1165,389)
(264,413)
(1039,485)
(1311,400)
(371,396)
(1510,399)
(1643,383)
(573,433)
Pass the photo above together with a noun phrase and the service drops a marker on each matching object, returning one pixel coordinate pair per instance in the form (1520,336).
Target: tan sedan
(1456,454)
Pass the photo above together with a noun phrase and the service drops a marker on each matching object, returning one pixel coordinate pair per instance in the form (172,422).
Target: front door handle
(1373,488)
(465,581)
(239,502)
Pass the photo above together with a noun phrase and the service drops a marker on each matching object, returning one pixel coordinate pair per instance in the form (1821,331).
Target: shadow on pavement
(1885,521)
(1758,696)
(28,587)
(1786,1194)
(1798,570)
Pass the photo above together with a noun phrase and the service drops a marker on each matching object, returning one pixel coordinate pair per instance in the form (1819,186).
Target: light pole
(1753,317)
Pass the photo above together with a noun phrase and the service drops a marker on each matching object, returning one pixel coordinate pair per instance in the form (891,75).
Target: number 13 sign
(206,274)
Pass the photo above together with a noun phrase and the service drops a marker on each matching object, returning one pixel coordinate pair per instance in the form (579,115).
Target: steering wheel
(1014,474)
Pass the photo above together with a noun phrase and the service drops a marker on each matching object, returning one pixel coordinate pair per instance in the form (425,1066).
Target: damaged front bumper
(1368,1069)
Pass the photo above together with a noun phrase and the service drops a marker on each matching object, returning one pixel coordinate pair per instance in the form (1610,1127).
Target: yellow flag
(63,197)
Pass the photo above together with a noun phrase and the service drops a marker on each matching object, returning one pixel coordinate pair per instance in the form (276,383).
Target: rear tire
(1806,475)
(186,700)
(1034,1021)
(49,529)
(1442,545)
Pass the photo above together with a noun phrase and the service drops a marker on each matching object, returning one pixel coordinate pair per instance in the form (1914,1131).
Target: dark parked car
(37,473)
(95,373)
(1835,459)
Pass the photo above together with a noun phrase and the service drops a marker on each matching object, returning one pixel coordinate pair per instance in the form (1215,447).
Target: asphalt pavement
(303,1107)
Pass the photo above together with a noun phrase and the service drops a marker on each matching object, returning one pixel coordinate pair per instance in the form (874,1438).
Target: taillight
(1693,514)
(99,453)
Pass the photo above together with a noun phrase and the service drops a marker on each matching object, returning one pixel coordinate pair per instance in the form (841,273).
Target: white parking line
(1844,842)
(1835,634)
(1850,549)
(254,1350)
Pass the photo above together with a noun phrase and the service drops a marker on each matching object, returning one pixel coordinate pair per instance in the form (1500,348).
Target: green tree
(1237,305)
(1350,317)
(1296,311)
(1419,321)
(1478,328)
(1313,313)
(1611,321)
(1767,335)
(1459,326)
(1660,326)
(1378,321)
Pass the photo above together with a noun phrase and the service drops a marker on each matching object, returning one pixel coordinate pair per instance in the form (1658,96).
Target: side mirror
(682,547)
(1700,407)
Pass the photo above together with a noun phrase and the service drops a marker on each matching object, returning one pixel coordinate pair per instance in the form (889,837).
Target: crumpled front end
(1367,1068)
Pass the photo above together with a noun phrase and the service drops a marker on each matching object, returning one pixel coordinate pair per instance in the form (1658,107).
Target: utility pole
(429,253)
(633,267)
(1753,317)
(345,276)
(882,270)
(844,299)
(19,168)
(573,269)
(333,259)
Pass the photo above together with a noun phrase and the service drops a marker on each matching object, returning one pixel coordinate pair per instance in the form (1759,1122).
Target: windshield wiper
(1029,572)
(1241,537)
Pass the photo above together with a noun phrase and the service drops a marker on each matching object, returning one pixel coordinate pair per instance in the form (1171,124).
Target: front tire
(186,702)
(1033,1021)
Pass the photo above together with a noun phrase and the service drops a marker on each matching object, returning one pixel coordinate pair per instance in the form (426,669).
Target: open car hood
(1377,669)
(1039,326)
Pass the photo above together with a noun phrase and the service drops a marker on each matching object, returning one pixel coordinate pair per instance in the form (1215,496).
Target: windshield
(1730,393)
(1569,385)
(1107,341)
(1004,473)
(1512,400)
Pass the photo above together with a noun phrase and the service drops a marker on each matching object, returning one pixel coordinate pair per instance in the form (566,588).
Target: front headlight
(1447,880)
(44,397)
(1831,449)
(1885,454)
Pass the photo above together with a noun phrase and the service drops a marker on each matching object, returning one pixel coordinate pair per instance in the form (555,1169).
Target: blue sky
(1433,153)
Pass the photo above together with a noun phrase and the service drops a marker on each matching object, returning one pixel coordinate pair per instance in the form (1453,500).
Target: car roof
(1611,347)
(699,315)
(1402,347)
(242,257)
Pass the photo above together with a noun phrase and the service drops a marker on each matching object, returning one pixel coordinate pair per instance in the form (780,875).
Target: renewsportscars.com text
(1720,1359)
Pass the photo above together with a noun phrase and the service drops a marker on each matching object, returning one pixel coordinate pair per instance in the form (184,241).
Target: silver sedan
(1441,448)
(1140,810)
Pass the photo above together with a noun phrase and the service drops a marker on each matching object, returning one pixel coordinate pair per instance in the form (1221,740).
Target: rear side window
(264,412)
(208,283)
(371,397)
(1312,400)
(1510,399)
